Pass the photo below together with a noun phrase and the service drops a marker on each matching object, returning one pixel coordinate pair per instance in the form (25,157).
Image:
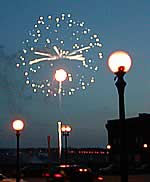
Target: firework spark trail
(60,102)
(82,49)
(60,87)
(71,56)
(43,54)
(43,59)
(56,50)
(78,57)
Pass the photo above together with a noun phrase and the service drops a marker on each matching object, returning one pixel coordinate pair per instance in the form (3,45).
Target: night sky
(121,25)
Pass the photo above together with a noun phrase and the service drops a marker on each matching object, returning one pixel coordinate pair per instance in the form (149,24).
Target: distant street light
(108,147)
(145,145)
(66,129)
(18,126)
(119,63)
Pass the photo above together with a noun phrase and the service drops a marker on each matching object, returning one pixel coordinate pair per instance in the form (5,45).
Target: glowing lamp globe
(18,125)
(108,147)
(63,128)
(145,145)
(119,61)
(68,128)
(60,75)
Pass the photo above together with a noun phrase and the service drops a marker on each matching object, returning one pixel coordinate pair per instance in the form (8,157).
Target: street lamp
(145,152)
(59,123)
(119,63)
(18,126)
(66,129)
(108,147)
(60,76)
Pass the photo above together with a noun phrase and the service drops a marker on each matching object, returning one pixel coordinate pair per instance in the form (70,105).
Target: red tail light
(100,178)
(58,175)
(46,174)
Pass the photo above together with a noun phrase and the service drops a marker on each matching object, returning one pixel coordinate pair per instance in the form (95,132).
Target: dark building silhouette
(138,138)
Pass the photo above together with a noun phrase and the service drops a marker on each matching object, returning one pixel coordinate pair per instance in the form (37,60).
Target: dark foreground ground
(136,178)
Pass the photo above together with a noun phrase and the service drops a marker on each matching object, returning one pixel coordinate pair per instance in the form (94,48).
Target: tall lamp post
(66,129)
(60,76)
(59,124)
(18,126)
(119,63)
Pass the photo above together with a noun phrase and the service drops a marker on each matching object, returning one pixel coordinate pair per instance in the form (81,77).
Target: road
(137,178)
(134,178)
(35,180)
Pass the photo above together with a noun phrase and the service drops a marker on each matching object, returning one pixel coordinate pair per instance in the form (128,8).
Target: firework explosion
(60,42)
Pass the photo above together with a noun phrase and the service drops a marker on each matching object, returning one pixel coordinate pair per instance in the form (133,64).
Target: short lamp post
(119,63)
(66,129)
(18,126)
(108,148)
(145,154)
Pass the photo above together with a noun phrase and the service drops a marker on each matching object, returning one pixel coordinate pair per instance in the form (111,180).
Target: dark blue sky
(121,25)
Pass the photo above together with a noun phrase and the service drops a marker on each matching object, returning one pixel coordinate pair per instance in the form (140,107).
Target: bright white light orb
(68,128)
(63,128)
(60,75)
(108,147)
(119,60)
(145,145)
(18,125)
